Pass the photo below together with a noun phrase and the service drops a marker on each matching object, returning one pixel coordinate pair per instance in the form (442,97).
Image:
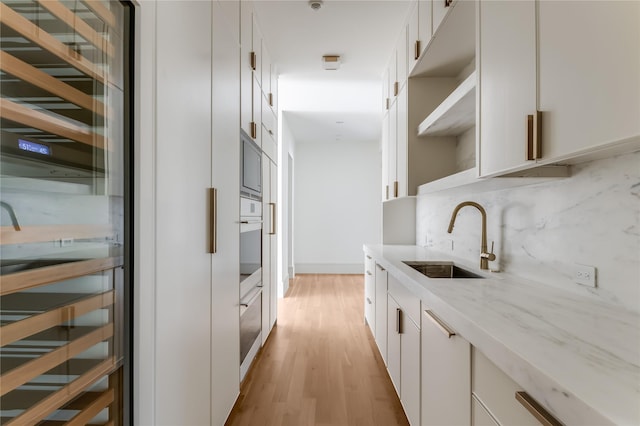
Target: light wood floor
(319,366)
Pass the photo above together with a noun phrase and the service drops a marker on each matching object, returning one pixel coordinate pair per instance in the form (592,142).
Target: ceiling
(321,105)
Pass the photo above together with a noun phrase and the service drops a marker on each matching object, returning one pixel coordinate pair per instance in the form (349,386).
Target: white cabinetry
(403,346)
(446,374)
(584,83)
(197,321)
(394,319)
(269,248)
(507,64)
(497,397)
(589,77)
(370,293)
(381,311)
(418,31)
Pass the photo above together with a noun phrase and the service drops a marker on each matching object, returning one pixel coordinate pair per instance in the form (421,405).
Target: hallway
(319,366)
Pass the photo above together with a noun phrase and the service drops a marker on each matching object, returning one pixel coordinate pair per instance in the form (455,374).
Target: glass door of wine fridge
(64,211)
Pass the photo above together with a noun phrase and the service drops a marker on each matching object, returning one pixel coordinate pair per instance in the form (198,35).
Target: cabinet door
(589,76)
(246,79)
(370,293)
(385,156)
(446,374)
(265,71)
(402,144)
(381,311)
(225,263)
(425,28)
(410,370)
(184,328)
(394,318)
(256,111)
(507,78)
(256,47)
(413,35)
(402,60)
(392,171)
(269,249)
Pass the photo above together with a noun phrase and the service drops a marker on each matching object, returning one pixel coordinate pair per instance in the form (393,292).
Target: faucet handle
(489,256)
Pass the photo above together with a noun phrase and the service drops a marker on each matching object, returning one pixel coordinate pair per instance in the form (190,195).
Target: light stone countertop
(577,356)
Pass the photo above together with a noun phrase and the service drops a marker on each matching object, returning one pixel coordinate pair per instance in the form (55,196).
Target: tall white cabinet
(190,369)
(269,247)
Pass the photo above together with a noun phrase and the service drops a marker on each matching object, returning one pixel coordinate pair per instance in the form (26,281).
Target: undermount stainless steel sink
(435,269)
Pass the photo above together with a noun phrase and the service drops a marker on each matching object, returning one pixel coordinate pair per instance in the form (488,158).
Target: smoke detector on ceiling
(315,4)
(331,62)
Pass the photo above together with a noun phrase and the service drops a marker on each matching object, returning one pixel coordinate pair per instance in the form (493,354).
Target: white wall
(336,205)
(541,232)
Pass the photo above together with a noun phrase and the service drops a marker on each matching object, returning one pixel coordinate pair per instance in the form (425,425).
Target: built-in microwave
(250,167)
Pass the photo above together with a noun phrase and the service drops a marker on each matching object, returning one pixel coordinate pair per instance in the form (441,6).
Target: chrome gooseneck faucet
(485,256)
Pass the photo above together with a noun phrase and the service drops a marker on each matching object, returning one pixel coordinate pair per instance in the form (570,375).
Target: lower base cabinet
(495,399)
(403,356)
(446,374)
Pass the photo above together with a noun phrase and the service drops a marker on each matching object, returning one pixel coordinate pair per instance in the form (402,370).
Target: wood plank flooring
(319,366)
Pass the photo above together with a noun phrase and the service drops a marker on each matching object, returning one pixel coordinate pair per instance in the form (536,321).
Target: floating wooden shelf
(37,366)
(30,31)
(456,114)
(65,394)
(21,329)
(43,233)
(42,80)
(48,123)
(83,29)
(19,281)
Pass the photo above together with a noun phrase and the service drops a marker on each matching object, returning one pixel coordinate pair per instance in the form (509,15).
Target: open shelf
(456,114)
(442,58)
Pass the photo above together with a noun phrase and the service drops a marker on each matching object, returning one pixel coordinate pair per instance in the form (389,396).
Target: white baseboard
(329,268)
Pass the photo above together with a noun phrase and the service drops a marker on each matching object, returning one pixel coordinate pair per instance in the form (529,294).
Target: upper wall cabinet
(589,77)
(507,68)
(547,95)
(419,31)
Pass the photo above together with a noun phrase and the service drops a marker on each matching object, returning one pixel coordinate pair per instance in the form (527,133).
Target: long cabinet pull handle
(369,273)
(213,218)
(399,320)
(272,206)
(534,133)
(369,300)
(416,54)
(537,410)
(381,268)
(395,189)
(441,325)
(368,257)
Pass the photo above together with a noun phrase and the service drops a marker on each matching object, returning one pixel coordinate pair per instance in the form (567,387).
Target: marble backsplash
(541,232)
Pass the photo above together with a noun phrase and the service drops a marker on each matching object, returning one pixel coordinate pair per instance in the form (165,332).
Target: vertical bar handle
(399,320)
(272,206)
(416,54)
(254,60)
(537,410)
(395,189)
(534,134)
(447,3)
(387,192)
(213,220)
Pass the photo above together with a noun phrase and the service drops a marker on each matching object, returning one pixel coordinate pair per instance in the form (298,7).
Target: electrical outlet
(585,275)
